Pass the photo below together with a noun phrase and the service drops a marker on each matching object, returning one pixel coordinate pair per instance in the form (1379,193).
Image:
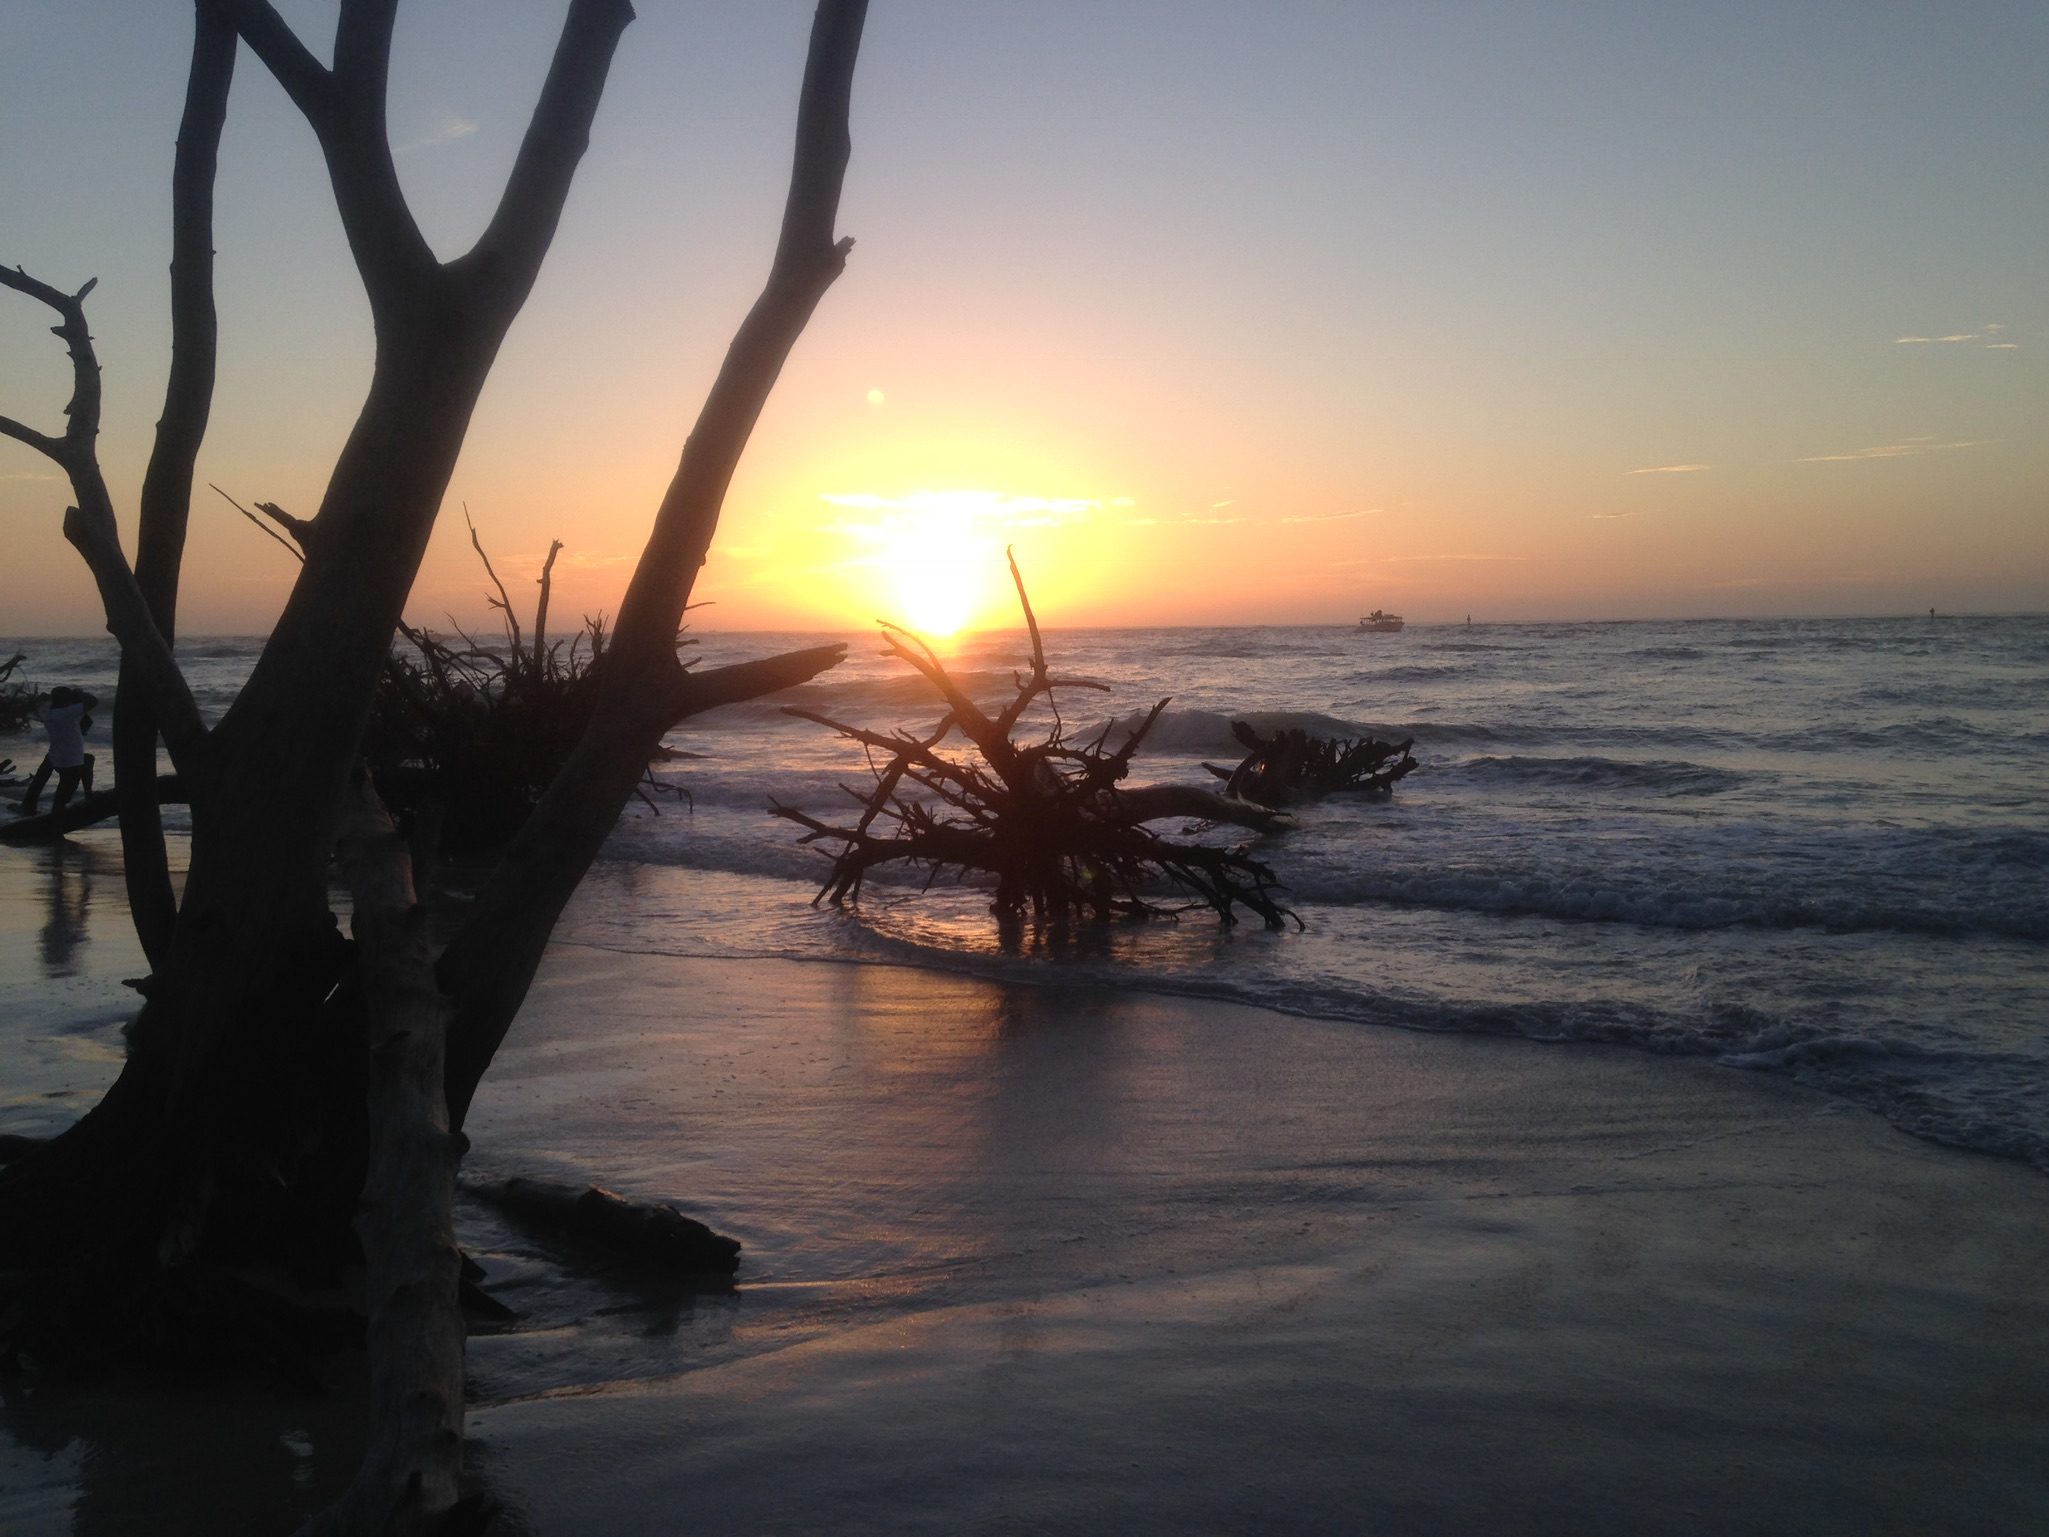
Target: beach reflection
(67,871)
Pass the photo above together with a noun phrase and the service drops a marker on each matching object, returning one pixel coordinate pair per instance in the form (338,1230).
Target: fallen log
(652,1235)
(83,812)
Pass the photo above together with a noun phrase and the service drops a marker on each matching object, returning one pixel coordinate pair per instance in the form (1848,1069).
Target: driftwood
(1049,819)
(653,1236)
(83,812)
(1292,766)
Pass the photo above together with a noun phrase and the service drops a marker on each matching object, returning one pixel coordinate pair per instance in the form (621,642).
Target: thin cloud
(1984,335)
(1672,469)
(1215,505)
(1902,450)
(1407,560)
(27,475)
(443,127)
(1333,517)
(1604,517)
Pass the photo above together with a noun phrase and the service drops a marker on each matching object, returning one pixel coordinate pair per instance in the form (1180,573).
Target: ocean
(1816,848)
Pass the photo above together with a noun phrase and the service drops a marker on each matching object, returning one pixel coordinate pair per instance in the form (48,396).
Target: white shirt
(67,741)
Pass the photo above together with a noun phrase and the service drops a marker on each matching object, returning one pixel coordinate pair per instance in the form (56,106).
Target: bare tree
(228,1134)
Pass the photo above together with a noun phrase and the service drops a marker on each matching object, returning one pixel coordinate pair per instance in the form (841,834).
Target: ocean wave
(1669,653)
(1669,776)
(1845,910)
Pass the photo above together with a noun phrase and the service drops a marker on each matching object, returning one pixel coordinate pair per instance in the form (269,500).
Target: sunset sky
(1219,313)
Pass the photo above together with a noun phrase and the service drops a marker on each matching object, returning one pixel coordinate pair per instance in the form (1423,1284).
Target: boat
(1377,623)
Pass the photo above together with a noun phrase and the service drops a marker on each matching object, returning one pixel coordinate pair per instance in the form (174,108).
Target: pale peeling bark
(412,1467)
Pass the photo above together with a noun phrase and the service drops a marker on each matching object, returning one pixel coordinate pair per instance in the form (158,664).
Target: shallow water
(1814,847)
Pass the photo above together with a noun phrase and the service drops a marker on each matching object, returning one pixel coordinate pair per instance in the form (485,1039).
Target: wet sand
(1081,1261)
(1025,1259)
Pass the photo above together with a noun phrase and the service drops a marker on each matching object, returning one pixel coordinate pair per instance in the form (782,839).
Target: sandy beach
(1075,1260)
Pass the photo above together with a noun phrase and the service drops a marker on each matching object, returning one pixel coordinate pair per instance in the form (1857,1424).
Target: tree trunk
(412,1270)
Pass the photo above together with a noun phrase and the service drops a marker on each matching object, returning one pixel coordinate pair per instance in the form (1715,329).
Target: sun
(932,560)
(936,568)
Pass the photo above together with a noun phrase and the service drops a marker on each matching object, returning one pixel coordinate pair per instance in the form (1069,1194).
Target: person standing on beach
(67,722)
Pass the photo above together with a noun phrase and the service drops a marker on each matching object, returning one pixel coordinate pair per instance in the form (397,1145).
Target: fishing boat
(1377,623)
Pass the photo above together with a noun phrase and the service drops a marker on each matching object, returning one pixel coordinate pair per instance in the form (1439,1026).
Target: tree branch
(708,688)
(507,256)
(91,529)
(166,504)
(491,963)
(807,260)
(546,581)
(42,443)
(345,107)
(304,78)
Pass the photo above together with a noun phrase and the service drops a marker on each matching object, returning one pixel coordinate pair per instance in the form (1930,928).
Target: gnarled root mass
(1292,766)
(464,740)
(1048,819)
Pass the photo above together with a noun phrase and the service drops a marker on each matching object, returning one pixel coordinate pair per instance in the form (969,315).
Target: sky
(1216,313)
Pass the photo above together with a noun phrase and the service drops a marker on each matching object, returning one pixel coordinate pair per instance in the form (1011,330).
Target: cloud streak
(443,127)
(1333,517)
(1985,336)
(1672,469)
(1413,560)
(1903,450)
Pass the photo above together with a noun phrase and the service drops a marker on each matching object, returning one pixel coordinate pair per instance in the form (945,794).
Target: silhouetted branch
(503,602)
(91,528)
(263,528)
(165,506)
(541,607)
(491,962)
